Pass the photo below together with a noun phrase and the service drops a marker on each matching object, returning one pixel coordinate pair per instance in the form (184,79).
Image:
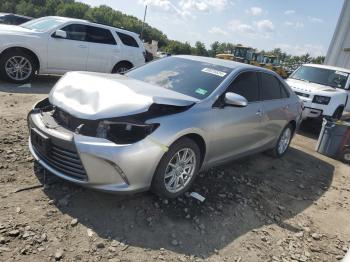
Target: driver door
(238,130)
(70,53)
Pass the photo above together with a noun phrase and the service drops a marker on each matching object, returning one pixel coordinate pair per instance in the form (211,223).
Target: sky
(295,26)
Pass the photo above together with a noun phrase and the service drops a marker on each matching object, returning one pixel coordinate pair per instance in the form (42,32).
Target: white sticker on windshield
(341,73)
(213,72)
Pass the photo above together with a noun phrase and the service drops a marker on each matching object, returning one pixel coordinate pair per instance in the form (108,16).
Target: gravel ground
(256,209)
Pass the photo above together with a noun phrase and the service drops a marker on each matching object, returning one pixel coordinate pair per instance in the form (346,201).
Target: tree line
(106,15)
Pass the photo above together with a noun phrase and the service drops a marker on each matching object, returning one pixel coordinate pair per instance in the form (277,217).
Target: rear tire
(17,67)
(175,174)
(283,142)
(121,68)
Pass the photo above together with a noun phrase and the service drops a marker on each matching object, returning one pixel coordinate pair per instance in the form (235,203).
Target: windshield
(193,78)
(321,76)
(42,24)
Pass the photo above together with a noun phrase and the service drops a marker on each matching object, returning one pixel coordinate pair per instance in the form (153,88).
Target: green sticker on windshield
(201,91)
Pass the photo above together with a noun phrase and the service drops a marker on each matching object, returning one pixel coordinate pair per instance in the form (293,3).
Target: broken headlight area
(121,130)
(124,132)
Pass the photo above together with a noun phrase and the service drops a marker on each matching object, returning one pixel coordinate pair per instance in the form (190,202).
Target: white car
(324,90)
(55,45)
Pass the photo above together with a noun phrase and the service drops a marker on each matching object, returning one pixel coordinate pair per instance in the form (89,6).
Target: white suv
(55,45)
(323,89)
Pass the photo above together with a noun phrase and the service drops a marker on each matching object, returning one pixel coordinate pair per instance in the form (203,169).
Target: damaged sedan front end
(96,149)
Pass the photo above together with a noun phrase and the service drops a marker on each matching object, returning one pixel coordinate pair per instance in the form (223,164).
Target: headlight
(124,132)
(324,100)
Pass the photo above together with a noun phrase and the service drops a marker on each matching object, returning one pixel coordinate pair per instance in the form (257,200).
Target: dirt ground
(256,209)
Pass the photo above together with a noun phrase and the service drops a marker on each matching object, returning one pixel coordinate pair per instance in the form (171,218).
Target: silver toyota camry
(158,125)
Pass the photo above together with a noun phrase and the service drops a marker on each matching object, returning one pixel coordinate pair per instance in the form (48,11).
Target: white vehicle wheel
(17,67)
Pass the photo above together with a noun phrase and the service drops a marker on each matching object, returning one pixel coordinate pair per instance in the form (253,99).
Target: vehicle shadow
(310,128)
(240,196)
(39,85)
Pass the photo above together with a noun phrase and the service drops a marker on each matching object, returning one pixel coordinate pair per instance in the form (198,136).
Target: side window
(284,91)
(127,39)
(100,36)
(246,85)
(270,87)
(75,32)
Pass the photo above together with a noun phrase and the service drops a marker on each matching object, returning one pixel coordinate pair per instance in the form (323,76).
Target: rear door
(132,50)
(275,106)
(103,50)
(68,54)
(238,130)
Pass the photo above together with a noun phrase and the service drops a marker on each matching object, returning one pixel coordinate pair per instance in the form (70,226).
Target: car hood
(99,96)
(14,29)
(309,87)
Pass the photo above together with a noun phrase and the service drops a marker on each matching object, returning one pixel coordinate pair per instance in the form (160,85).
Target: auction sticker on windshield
(213,72)
(201,91)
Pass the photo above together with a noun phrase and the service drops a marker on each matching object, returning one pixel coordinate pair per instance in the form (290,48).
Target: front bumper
(95,162)
(313,110)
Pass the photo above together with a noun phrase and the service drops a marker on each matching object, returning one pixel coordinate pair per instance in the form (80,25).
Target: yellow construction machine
(249,55)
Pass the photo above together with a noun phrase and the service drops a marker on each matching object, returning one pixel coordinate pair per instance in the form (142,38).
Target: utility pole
(143,22)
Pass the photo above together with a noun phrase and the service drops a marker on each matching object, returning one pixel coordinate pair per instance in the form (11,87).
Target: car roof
(329,67)
(68,19)
(222,62)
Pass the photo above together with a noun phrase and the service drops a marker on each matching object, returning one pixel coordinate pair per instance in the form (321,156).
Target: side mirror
(60,34)
(234,99)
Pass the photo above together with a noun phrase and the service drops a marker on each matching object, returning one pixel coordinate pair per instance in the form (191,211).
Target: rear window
(193,78)
(127,39)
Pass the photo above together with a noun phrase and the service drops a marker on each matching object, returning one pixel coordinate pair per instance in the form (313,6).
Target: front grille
(301,94)
(63,160)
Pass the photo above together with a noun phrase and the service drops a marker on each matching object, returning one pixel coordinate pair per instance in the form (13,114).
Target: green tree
(200,49)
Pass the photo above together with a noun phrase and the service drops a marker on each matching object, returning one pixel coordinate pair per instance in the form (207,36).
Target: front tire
(338,113)
(177,169)
(283,142)
(17,67)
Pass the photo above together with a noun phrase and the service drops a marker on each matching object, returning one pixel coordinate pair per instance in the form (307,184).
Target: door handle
(286,107)
(259,113)
(82,46)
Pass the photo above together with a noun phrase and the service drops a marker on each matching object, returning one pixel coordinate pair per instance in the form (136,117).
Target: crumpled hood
(95,96)
(301,86)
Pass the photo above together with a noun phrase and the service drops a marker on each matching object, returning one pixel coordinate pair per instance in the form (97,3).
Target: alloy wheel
(284,141)
(18,68)
(180,170)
